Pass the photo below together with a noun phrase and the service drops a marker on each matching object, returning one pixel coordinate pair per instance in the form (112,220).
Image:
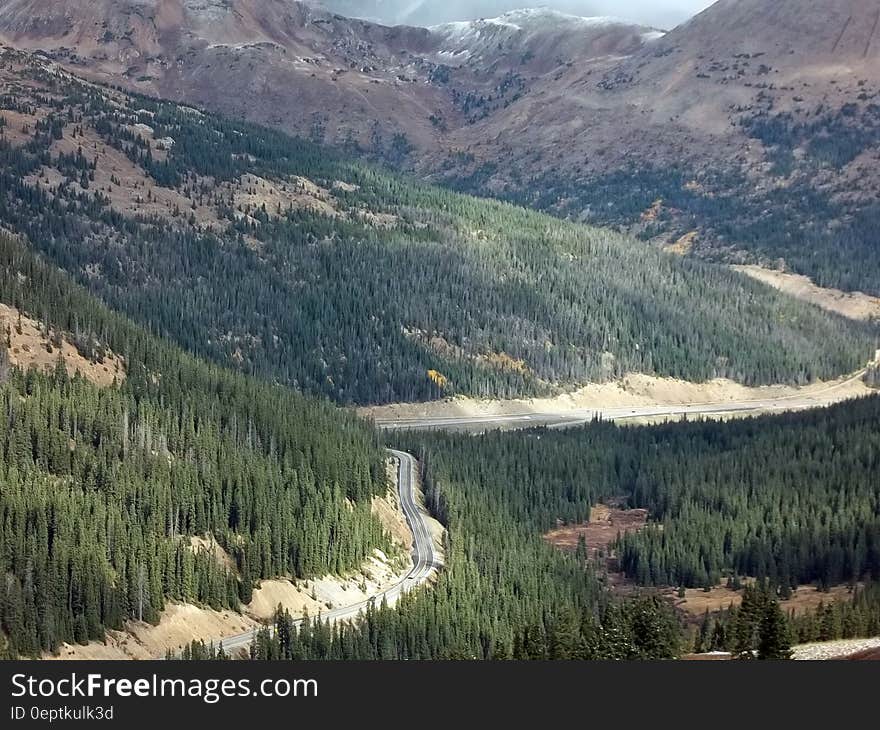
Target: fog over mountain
(658,13)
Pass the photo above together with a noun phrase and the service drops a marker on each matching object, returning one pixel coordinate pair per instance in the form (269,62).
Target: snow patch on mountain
(477,37)
(526,20)
(653,35)
(530,30)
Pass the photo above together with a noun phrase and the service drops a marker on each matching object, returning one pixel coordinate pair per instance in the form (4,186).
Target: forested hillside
(503,594)
(752,129)
(103,489)
(791,498)
(787,499)
(786,225)
(277,257)
(506,593)
(737,629)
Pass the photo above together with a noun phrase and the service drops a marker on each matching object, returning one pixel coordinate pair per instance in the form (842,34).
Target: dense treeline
(503,593)
(450,295)
(795,499)
(759,627)
(791,498)
(641,628)
(830,237)
(103,490)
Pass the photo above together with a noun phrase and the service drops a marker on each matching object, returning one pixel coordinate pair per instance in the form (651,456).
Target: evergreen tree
(774,638)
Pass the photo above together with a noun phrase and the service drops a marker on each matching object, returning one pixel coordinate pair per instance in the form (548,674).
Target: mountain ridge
(752,129)
(342,77)
(286,260)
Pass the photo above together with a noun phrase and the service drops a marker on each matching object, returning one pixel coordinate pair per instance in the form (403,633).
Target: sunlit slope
(282,259)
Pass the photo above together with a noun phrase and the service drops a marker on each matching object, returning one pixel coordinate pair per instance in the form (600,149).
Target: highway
(571,418)
(423,556)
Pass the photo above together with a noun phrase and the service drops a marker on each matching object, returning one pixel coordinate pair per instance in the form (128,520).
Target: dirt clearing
(803,600)
(853,305)
(605,526)
(32,345)
(179,625)
(633,391)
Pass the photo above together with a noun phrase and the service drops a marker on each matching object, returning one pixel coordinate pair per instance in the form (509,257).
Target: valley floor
(607,523)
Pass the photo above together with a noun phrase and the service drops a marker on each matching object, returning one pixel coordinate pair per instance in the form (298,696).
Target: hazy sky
(659,13)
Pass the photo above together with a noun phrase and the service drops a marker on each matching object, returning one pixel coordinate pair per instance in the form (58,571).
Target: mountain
(285,260)
(537,39)
(389,91)
(176,287)
(748,134)
(272,61)
(751,131)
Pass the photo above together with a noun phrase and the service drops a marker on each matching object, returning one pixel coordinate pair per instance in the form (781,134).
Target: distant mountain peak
(538,18)
(541,32)
(749,98)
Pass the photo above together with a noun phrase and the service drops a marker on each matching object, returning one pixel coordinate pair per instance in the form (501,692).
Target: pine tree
(5,365)
(774,640)
(703,639)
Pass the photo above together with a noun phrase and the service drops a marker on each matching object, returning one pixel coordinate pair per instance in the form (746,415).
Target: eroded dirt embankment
(182,623)
(33,344)
(853,305)
(633,391)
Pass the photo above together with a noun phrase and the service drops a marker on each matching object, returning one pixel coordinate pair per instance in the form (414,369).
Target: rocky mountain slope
(288,261)
(388,90)
(749,134)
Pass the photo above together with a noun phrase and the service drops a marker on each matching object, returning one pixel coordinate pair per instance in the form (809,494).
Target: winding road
(423,556)
(571,418)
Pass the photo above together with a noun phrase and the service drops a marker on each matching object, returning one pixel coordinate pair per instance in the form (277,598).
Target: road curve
(423,556)
(570,418)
